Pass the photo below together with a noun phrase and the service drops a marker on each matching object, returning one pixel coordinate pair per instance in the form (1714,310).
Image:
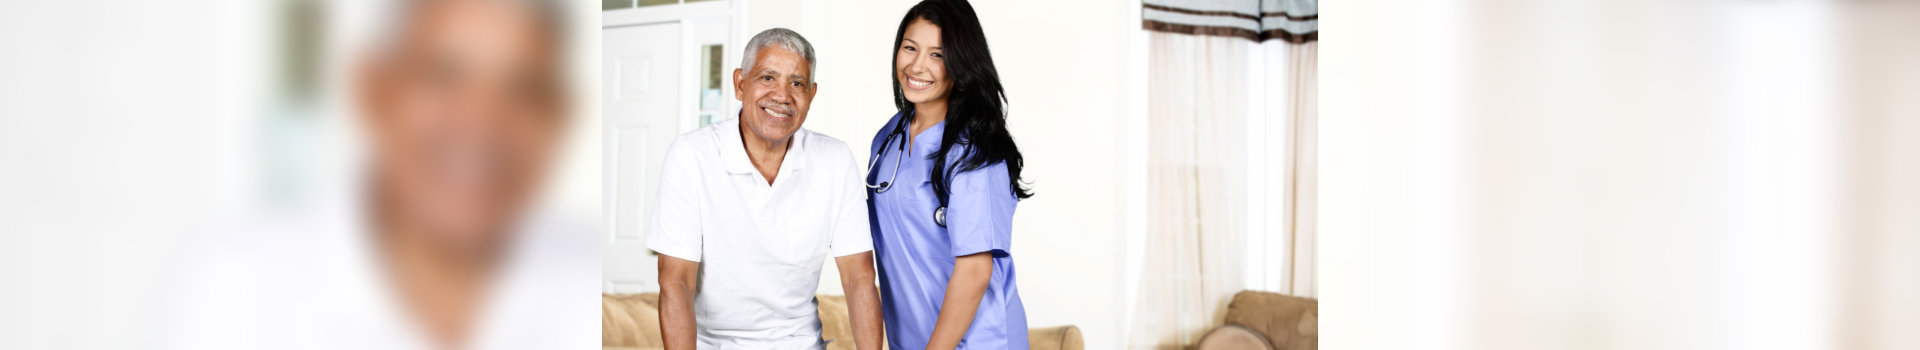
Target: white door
(641,112)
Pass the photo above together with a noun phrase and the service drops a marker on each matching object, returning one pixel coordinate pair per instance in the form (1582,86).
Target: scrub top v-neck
(915,256)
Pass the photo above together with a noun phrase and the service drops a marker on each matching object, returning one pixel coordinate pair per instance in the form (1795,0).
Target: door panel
(640,110)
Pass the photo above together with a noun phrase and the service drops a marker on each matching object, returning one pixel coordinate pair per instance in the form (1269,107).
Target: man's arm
(863,301)
(677,281)
(970,276)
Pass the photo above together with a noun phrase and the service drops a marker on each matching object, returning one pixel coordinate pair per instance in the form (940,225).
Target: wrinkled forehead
(481,28)
(781,63)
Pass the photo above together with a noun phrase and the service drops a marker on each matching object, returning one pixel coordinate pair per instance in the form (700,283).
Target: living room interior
(1172,170)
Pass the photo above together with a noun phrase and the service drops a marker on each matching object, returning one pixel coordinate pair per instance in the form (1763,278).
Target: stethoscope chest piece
(940,216)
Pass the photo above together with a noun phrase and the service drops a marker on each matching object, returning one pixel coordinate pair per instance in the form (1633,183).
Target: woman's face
(919,65)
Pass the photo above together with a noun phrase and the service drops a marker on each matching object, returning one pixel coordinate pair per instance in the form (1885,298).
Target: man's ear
(372,89)
(738,93)
(813,90)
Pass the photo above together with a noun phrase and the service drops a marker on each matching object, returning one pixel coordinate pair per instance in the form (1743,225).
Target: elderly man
(750,207)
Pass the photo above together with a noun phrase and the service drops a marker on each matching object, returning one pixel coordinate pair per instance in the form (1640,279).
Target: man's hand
(678,278)
(863,300)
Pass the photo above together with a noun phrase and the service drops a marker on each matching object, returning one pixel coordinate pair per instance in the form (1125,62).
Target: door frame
(691,19)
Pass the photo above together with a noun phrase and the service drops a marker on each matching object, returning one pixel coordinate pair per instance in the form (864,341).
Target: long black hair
(976,104)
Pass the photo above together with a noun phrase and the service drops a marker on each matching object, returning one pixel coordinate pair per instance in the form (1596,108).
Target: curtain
(1197,113)
(1232,125)
(1301,117)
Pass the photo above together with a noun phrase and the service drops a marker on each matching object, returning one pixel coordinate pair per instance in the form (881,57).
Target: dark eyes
(769,79)
(912,49)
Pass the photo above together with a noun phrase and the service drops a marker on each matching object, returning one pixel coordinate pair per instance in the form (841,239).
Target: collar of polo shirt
(736,150)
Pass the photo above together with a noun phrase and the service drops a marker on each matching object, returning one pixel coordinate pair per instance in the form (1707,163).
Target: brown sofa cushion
(1288,322)
(835,326)
(633,321)
(629,320)
(1055,338)
(1233,337)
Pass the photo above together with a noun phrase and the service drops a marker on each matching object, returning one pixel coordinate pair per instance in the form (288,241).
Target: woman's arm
(970,276)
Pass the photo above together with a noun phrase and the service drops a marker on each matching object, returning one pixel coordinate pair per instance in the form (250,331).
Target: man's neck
(766,155)
(440,287)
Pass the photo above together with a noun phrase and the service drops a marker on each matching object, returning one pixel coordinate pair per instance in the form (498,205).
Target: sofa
(1266,321)
(632,321)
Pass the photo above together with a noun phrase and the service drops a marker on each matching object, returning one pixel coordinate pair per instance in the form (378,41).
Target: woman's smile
(918,84)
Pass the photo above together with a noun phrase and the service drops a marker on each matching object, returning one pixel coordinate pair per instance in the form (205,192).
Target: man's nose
(781,96)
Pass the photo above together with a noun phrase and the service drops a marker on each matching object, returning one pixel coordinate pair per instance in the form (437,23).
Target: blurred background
(135,134)
(1619,174)
(1523,175)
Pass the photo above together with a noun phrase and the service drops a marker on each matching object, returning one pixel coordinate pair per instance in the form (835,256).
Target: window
(609,5)
(711,106)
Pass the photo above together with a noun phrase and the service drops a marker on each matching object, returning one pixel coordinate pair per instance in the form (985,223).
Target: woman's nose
(917,65)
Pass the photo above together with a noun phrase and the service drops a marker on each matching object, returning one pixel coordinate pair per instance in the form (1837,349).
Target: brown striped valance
(1295,21)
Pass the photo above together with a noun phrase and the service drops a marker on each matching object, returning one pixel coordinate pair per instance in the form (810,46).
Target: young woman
(943,185)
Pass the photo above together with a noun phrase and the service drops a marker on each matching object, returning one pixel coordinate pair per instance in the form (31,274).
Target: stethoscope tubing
(881,153)
(939,214)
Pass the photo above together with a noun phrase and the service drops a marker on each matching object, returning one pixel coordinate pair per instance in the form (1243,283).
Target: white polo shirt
(760,247)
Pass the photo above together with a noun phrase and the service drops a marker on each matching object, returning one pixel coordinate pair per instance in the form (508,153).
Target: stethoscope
(899,130)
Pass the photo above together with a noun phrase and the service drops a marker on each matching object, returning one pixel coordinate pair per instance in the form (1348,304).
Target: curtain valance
(1295,21)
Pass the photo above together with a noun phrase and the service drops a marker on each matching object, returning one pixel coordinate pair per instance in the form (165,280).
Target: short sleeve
(852,233)
(980,212)
(676,209)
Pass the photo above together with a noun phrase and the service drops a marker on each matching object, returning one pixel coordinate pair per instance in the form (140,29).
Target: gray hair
(783,38)
(551,16)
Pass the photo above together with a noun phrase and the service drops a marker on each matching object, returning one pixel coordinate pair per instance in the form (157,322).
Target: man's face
(464,113)
(775,96)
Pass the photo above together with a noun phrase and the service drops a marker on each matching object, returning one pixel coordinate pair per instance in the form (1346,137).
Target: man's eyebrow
(797,77)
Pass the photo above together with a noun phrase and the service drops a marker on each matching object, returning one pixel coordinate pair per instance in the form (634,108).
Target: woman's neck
(926,115)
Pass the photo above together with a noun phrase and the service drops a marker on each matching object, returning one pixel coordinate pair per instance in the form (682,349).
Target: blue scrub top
(915,256)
